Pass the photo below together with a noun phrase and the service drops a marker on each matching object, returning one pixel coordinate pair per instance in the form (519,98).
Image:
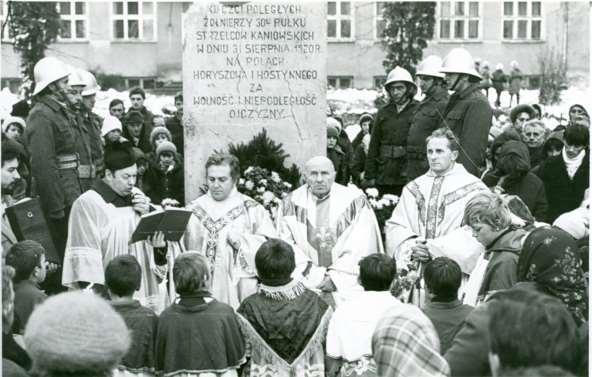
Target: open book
(172,222)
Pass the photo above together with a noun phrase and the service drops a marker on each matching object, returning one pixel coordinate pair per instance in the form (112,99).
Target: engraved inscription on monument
(249,66)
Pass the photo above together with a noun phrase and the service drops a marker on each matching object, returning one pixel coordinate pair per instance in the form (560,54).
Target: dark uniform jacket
(427,118)
(386,160)
(50,139)
(85,138)
(468,115)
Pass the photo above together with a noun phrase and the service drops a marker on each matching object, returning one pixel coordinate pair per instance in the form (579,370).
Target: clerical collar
(109,195)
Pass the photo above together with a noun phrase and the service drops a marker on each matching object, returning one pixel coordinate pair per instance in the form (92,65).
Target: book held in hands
(172,222)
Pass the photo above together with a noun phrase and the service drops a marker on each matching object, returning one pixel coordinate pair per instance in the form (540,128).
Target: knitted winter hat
(76,332)
(332,122)
(165,146)
(366,117)
(110,123)
(157,131)
(332,132)
(10,120)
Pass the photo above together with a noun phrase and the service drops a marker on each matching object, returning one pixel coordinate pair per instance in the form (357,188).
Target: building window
(73,20)
(379,21)
(340,82)
(522,20)
(379,81)
(340,21)
(145,83)
(134,20)
(459,20)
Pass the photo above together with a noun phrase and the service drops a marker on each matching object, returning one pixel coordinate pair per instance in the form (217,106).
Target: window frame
(529,18)
(466,18)
(73,17)
(338,17)
(140,17)
(377,18)
(338,79)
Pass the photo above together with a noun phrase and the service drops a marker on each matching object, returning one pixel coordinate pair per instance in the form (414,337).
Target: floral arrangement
(406,279)
(383,207)
(265,187)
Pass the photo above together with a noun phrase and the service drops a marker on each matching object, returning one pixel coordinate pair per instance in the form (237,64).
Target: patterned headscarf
(405,343)
(549,258)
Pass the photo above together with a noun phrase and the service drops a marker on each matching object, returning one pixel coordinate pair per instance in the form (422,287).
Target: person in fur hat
(165,177)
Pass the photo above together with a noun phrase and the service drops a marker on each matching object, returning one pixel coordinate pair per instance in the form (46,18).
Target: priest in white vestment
(228,228)
(333,226)
(101,224)
(427,222)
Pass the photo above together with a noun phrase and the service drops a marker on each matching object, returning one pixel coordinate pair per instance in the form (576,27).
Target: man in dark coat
(499,80)
(137,96)
(50,138)
(136,131)
(567,176)
(175,124)
(386,160)
(428,116)
(468,113)
(89,100)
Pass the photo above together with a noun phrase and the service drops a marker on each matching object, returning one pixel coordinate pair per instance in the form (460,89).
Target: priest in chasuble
(427,222)
(333,226)
(101,224)
(228,227)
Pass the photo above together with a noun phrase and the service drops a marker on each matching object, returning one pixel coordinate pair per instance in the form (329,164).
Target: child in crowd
(165,180)
(143,166)
(122,278)
(13,127)
(159,135)
(197,334)
(111,130)
(28,260)
(284,322)
(337,156)
(442,278)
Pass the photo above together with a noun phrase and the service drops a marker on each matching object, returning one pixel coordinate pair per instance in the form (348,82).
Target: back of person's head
(377,272)
(24,257)
(529,329)
(577,135)
(487,208)
(75,334)
(442,277)
(123,275)
(191,274)
(275,262)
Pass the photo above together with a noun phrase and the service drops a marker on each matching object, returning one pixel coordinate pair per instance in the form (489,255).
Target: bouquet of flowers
(406,279)
(383,207)
(265,187)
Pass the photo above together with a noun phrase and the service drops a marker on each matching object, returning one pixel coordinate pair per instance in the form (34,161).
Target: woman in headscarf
(549,259)
(405,343)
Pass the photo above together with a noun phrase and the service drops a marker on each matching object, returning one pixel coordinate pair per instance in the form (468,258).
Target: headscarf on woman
(549,258)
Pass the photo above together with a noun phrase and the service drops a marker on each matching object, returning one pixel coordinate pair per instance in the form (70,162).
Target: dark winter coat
(537,155)
(86,137)
(427,118)
(143,141)
(51,133)
(359,164)
(386,161)
(162,185)
(527,187)
(498,79)
(468,115)
(175,127)
(563,194)
(515,81)
(148,118)
(339,159)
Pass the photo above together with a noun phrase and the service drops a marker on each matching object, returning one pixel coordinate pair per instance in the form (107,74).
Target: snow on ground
(343,101)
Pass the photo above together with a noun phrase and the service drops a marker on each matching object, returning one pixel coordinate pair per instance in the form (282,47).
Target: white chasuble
(431,207)
(333,233)
(233,273)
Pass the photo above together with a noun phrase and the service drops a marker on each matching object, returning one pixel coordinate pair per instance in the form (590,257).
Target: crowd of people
(492,217)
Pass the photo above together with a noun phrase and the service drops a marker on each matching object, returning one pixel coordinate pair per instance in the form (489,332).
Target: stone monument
(249,66)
